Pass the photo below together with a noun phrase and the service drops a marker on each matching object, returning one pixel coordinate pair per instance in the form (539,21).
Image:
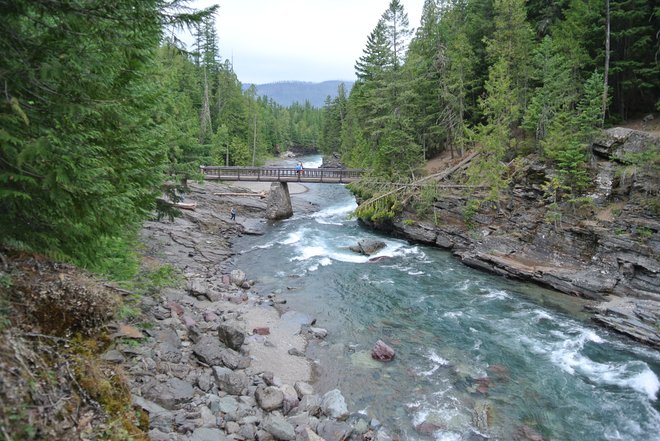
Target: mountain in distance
(286,93)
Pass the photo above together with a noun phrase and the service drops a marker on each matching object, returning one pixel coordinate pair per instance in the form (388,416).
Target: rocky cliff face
(607,249)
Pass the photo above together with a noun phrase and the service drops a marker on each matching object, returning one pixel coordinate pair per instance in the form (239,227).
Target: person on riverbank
(233,213)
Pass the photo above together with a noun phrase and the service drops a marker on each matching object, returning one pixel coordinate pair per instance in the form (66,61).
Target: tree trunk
(607,61)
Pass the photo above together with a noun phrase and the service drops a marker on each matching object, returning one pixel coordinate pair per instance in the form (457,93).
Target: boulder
(207,434)
(237,277)
(159,417)
(230,336)
(333,405)
(368,246)
(232,382)
(382,351)
(269,398)
(209,350)
(234,360)
(308,435)
(331,430)
(310,404)
(290,398)
(278,427)
(279,202)
(227,405)
(169,394)
(303,388)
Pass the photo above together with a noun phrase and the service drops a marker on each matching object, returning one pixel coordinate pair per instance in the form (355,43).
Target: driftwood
(436,176)
(186,206)
(260,195)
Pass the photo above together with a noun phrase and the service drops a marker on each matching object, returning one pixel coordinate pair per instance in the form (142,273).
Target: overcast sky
(298,40)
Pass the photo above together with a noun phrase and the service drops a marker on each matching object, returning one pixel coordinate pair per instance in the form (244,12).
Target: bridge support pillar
(279,202)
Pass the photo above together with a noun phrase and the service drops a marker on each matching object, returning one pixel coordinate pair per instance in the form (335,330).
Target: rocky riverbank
(606,250)
(220,360)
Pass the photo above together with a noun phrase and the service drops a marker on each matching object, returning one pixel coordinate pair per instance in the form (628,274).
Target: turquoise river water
(467,344)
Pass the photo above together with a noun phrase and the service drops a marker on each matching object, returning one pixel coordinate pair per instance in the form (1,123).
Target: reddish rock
(483,384)
(210,316)
(175,308)
(426,428)
(382,352)
(226,280)
(501,372)
(528,433)
(188,321)
(261,331)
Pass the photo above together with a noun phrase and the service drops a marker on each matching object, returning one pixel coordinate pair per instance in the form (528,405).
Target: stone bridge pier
(279,202)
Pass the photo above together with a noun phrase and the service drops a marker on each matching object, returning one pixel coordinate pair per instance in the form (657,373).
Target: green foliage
(90,162)
(428,194)
(644,233)
(470,211)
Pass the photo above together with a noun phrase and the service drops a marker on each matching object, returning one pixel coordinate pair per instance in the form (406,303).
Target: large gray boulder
(209,351)
(279,202)
(169,394)
(231,336)
(207,434)
(269,398)
(331,430)
(368,246)
(278,427)
(237,277)
(333,405)
(159,417)
(232,382)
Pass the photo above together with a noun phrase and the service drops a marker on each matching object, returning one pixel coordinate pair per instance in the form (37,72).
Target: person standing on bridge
(233,213)
(299,169)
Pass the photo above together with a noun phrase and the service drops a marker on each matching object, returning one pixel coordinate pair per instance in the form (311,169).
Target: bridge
(281,174)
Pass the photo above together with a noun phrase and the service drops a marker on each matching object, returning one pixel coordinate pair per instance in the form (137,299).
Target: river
(477,355)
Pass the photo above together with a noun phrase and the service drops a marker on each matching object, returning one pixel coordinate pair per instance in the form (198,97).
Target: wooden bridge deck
(279,174)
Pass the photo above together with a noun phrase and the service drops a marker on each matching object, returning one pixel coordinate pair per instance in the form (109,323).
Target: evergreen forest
(104,109)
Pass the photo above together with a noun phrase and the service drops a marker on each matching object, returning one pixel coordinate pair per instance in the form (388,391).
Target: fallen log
(186,206)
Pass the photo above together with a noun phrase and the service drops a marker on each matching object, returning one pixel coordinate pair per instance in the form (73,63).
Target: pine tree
(83,152)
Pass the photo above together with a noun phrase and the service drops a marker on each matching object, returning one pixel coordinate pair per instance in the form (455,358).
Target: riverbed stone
(279,427)
(309,435)
(382,352)
(290,400)
(232,382)
(333,405)
(311,404)
(303,388)
(331,430)
(207,434)
(159,417)
(269,398)
(368,246)
(237,277)
(234,360)
(209,350)
(226,405)
(170,393)
(231,336)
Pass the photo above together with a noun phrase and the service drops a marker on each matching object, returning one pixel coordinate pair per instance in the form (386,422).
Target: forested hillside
(102,113)
(285,93)
(507,78)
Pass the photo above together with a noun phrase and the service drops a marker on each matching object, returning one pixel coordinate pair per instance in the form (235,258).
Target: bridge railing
(281,174)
